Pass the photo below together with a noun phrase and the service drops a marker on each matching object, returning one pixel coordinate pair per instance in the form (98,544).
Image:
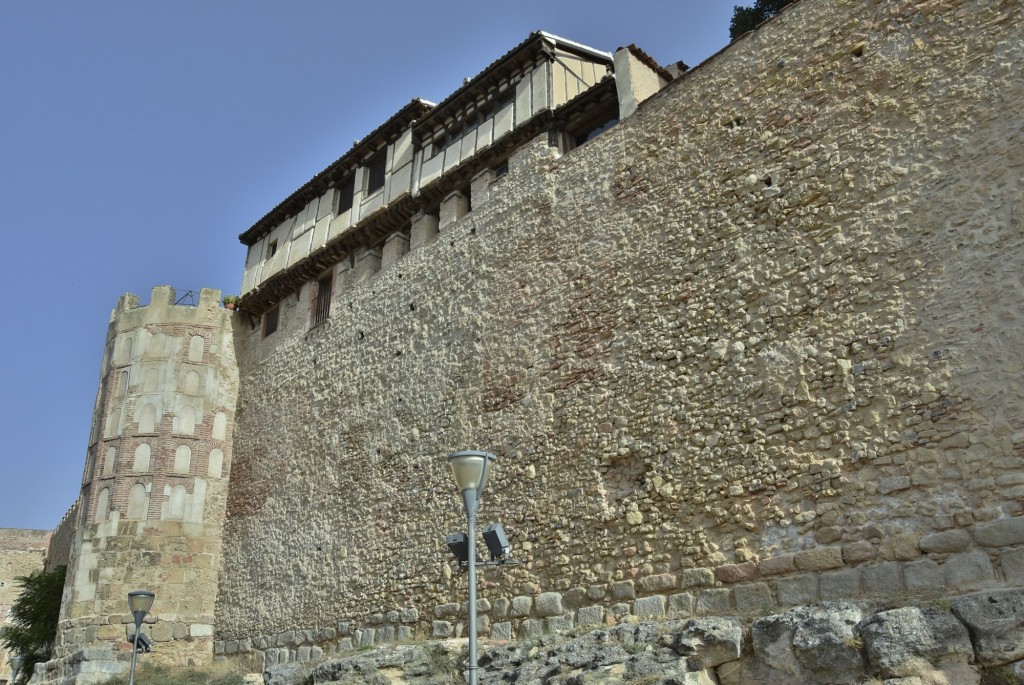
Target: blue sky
(138,139)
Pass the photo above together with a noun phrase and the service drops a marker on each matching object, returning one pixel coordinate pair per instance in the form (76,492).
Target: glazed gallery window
(375,173)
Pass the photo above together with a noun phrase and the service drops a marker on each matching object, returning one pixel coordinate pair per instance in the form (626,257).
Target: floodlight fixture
(458,543)
(143,642)
(497,541)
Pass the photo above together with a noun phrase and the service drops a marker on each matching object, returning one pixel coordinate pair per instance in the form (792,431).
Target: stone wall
(63,539)
(22,553)
(755,346)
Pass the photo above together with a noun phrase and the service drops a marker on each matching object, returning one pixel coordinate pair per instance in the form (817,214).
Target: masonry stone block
(712,602)
(1012,563)
(696,577)
(819,559)
(753,598)
(559,624)
(783,563)
(548,604)
(500,607)
(923,575)
(590,616)
(736,573)
(969,570)
(441,629)
(575,597)
(797,590)
(647,608)
(1000,533)
(946,541)
(681,604)
(884,578)
(842,583)
(502,631)
(521,606)
(531,627)
(623,589)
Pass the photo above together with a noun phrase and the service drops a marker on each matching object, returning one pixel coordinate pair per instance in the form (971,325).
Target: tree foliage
(749,18)
(33,618)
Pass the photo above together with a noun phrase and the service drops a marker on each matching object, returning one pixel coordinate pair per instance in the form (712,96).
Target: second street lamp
(470,470)
(16,663)
(139,603)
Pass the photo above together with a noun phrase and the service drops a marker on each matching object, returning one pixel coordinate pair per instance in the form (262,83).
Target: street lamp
(16,662)
(470,470)
(139,603)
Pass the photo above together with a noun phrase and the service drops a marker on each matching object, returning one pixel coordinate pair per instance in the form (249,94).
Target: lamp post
(139,603)
(16,662)
(470,470)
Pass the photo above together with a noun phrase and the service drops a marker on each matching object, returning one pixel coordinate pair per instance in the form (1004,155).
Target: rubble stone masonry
(757,345)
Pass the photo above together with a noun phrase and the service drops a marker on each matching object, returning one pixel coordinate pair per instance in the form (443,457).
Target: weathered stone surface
(548,604)
(841,584)
(1000,533)
(649,607)
(923,575)
(797,590)
(590,616)
(819,558)
(812,643)
(996,622)
(711,602)
(658,583)
(696,577)
(968,570)
(708,642)
(624,589)
(736,573)
(521,606)
(945,541)
(912,641)
(753,598)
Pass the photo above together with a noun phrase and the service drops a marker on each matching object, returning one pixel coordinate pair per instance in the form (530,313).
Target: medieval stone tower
(154,488)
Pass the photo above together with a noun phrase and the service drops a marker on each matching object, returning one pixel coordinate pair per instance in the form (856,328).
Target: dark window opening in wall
(375,173)
(590,132)
(501,170)
(436,145)
(271,248)
(270,319)
(346,191)
(322,304)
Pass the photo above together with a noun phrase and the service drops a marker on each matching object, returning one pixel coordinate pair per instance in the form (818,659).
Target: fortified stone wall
(22,553)
(63,539)
(757,345)
(154,488)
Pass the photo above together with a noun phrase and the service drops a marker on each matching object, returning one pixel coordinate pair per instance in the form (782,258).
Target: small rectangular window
(345,193)
(322,304)
(375,173)
(270,319)
(271,248)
